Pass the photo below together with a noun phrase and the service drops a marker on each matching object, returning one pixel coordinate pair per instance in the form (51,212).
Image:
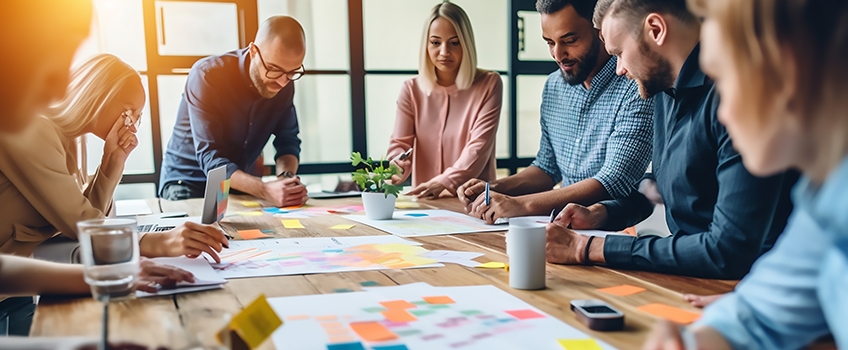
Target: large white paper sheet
(419,223)
(295,256)
(474,317)
(132,207)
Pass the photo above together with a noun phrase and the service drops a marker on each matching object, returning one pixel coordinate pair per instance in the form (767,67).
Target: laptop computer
(214,205)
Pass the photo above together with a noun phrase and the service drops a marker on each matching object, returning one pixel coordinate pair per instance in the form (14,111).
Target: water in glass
(109,250)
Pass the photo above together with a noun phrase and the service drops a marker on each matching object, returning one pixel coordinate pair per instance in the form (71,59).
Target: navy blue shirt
(721,217)
(222,120)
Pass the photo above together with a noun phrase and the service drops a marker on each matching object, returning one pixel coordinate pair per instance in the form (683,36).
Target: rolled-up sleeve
(775,306)
(629,146)
(206,125)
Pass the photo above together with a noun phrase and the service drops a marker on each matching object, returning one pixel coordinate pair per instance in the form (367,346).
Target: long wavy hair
(93,85)
(468,67)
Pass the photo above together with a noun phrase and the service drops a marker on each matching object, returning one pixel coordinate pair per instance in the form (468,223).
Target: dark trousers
(16,316)
(180,190)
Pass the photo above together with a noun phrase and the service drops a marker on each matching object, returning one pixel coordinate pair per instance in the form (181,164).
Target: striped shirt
(603,132)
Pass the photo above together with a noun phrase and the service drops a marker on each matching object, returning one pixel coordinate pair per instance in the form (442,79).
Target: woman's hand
(192,239)
(119,142)
(432,189)
(153,274)
(405,167)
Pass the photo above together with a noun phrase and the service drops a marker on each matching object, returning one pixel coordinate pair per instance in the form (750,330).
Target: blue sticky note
(391,347)
(417,215)
(343,290)
(369,283)
(346,346)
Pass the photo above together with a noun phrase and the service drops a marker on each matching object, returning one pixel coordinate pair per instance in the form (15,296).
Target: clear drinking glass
(109,252)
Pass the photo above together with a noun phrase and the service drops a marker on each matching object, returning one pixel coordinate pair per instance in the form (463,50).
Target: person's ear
(656,29)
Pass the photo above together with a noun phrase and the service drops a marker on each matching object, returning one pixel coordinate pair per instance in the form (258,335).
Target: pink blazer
(453,131)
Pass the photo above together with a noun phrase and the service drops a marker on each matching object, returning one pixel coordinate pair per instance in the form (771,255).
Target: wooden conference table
(152,321)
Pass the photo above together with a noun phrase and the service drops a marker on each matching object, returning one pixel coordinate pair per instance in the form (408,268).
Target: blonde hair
(758,34)
(468,67)
(92,87)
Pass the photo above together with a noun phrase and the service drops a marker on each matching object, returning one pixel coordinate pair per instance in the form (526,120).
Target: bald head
(41,37)
(282,32)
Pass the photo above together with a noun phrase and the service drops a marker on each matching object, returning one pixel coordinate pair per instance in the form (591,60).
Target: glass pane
(535,48)
(117,28)
(323,113)
(326,26)
(529,100)
(392,30)
(140,160)
(196,28)
(135,191)
(502,141)
(381,92)
(171,88)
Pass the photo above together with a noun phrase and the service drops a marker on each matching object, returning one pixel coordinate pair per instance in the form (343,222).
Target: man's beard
(659,76)
(584,65)
(261,86)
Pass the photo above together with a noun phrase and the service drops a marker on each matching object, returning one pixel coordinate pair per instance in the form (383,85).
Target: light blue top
(798,291)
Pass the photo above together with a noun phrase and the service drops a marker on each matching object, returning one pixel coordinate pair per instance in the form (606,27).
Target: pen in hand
(488,199)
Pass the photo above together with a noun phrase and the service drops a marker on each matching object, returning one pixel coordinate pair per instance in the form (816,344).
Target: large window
(359,53)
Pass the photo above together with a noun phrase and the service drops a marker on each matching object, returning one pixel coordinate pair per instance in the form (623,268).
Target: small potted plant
(378,196)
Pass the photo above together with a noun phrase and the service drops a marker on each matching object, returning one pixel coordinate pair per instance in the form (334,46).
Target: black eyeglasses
(273,73)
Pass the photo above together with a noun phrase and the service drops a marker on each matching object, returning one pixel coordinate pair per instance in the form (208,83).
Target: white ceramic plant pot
(378,206)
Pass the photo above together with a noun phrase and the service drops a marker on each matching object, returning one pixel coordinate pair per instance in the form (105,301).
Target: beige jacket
(39,197)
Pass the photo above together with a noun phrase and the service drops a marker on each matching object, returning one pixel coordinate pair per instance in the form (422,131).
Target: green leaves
(372,176)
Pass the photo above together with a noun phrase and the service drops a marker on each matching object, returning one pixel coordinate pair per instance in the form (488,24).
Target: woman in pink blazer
(449,113)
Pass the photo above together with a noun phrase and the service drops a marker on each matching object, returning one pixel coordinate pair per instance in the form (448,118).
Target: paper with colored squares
(420,316)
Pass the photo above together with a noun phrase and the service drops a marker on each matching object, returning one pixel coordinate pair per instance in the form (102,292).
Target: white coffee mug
(525,246)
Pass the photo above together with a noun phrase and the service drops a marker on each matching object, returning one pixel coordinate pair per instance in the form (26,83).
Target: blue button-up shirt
(222,120)
(797,291)
(721,217)
(603,132)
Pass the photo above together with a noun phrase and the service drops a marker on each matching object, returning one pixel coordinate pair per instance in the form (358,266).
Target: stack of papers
(205,278)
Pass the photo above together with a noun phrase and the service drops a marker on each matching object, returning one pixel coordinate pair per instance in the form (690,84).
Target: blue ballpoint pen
(487,194)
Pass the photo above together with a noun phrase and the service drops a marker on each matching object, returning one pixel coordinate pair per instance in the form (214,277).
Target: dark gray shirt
(721,217)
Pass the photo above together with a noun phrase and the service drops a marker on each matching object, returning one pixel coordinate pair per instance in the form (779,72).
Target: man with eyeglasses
(231,106)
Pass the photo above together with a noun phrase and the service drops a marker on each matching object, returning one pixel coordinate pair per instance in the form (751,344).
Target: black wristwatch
(286,174)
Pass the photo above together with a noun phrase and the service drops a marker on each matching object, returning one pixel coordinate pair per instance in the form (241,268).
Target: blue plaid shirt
(602,133)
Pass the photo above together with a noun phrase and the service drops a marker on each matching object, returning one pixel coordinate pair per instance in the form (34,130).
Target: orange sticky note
(670,313)
(326,318)
(298,317)
(372,331)
(397,304)
(292,223)
(399,316)
(341,339)
(252,234)
(327,325)
(622,290)
(444,299)
(579,344)
(336,331)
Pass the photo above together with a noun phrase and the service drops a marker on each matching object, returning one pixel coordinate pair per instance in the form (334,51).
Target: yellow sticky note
(249,213)
(407,205)
(256,322)
(492,265)
(292,223)
(251,204)
(579,344)
(342,227)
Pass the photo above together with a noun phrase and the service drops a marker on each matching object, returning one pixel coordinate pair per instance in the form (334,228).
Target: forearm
(585,193)
(530,180)
(287,162)
(708,338)
(155,244)
(625,212)
(24,276)
(247,183)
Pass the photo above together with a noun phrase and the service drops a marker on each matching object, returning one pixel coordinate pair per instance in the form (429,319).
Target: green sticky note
(421,312)
(374,309)
(420,302)
(579,344)
(471,312)
(342,290)
(407,332)
(368,283)
(438,306)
